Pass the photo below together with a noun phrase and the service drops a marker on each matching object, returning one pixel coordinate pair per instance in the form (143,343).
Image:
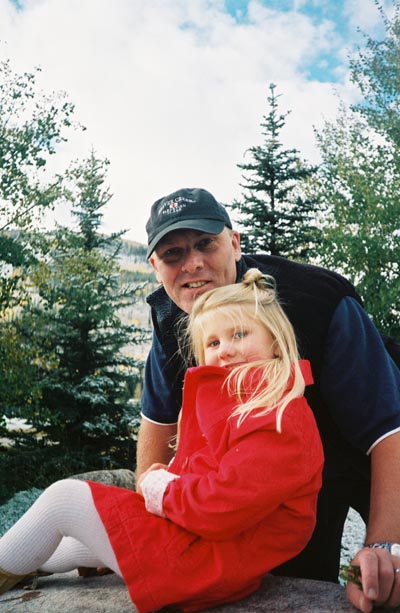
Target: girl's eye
(240,334)
(214,343)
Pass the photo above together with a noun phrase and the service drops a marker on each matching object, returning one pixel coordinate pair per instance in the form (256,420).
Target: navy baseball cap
(189,208)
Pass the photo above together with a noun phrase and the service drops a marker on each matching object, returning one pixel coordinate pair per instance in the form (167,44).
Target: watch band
(392,548)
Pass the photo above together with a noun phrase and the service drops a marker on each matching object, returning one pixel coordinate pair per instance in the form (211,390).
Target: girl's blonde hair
(279,380)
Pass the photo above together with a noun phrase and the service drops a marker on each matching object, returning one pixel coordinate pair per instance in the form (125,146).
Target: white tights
(61,531)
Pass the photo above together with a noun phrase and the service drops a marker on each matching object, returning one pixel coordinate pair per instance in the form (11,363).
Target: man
(356,396)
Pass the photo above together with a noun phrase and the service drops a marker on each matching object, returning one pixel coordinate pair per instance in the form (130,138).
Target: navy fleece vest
(308,294)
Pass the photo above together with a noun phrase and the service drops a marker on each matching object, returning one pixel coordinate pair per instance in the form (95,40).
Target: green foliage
(276,213)
(84,368)
(67,369)
(15,508)
(376,71)
(34,461)
(12,258)
(359,180)
(31,125)
(18,370)
(34,464)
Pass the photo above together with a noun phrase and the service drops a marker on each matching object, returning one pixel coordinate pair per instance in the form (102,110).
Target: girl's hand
(155,466)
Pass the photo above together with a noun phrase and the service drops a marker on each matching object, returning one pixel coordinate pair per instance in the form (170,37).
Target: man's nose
(193,261)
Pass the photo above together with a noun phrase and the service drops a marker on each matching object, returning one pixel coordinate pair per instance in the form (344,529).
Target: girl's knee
(67,488)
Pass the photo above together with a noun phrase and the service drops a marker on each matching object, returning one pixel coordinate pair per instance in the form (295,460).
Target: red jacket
(244,502)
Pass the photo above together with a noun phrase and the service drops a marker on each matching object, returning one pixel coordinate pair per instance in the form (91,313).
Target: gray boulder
(121,477)
(68,593)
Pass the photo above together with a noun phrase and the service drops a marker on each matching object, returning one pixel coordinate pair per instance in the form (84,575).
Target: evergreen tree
(32,124)
(275,212)
(85,416)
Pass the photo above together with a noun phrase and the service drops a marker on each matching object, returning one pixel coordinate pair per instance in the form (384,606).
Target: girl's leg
(65,509)
(69,555)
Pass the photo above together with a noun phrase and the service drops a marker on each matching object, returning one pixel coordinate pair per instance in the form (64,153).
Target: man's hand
(380,581)
(155,466)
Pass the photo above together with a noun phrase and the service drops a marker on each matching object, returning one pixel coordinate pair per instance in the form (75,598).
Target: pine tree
(85,415)
(277,215)
(32,124)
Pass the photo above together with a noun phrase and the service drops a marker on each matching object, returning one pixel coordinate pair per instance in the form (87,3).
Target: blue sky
(172,92)
(339,14)
(316,10)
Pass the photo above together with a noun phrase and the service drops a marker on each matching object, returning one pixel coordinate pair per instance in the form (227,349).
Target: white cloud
(365,15)
(172,92)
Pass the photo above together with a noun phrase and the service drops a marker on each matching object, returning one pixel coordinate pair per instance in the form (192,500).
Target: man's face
(189,263)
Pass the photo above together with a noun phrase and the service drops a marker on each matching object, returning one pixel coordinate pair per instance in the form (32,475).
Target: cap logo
(175,205)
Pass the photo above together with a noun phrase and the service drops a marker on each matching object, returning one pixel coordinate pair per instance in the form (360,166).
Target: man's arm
(381,584)
(160,410)
(359,382)
(384,518)
(154,445)
(363,386)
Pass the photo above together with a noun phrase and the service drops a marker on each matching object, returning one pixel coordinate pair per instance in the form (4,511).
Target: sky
(172,92)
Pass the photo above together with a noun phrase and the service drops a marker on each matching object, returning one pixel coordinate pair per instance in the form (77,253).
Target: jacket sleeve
(158,400)
(153,488)
(363,394)
(262,470)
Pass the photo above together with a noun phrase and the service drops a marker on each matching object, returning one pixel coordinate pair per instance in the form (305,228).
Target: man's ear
(153,263)
(236,245)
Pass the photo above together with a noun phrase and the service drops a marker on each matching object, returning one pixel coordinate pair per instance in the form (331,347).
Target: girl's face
(228,345)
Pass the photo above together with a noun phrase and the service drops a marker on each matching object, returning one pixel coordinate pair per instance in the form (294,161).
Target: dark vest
(309,295)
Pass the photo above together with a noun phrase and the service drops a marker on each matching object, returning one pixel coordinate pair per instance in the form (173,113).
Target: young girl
(238,499)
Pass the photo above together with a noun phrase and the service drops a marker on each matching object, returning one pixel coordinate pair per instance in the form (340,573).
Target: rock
(121,477)
(68,593)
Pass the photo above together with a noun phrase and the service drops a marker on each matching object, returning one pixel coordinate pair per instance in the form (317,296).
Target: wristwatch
(392,548)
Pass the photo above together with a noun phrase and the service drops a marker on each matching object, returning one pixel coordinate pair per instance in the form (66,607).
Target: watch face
(395,549)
